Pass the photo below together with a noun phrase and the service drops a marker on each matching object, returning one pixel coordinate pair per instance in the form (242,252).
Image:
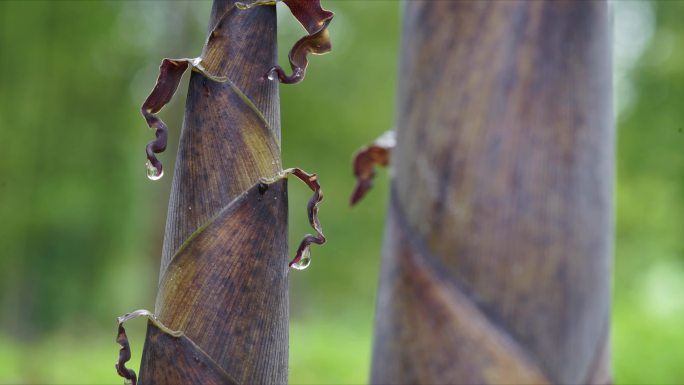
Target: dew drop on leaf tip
(304,261)
(152,172)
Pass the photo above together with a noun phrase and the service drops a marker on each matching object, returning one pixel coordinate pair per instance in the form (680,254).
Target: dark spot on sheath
(262,188)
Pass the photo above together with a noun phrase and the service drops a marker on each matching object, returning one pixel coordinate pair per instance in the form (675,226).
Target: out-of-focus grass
(322,351)
(65,357)
(647,329)
(330,351)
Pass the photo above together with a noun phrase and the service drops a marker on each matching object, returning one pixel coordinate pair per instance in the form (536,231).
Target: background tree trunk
(497,258)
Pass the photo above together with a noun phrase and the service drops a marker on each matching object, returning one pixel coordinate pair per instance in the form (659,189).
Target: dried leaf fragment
(365,160)
(315,20)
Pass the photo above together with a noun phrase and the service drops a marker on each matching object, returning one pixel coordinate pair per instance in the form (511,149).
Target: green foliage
(649,260)
(81,226)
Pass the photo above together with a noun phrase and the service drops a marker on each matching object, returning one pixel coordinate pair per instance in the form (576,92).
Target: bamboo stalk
(221,315)
(225,288)
(497,253)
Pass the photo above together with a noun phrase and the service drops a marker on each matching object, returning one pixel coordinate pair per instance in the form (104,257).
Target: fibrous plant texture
(221,315)
(497,254)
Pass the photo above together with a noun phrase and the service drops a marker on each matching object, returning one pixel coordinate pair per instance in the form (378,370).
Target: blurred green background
(81,226)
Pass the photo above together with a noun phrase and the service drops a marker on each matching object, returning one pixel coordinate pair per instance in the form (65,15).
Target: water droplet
(303,262)
(152,172)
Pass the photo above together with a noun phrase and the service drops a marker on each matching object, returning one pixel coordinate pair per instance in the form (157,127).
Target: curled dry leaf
(170,73)
(365,160)
(315,20)
(124,356)
(125,352)
(302,257)
(182,360)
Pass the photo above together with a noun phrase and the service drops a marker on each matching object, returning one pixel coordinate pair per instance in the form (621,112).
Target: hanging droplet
(271,75)
(152,172)
(304,261)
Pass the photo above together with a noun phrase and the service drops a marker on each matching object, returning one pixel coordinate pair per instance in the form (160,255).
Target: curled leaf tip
(125,351)
(124,356)
(302,257)
(365,160)
(170,73)
(315,20)
(122,339)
